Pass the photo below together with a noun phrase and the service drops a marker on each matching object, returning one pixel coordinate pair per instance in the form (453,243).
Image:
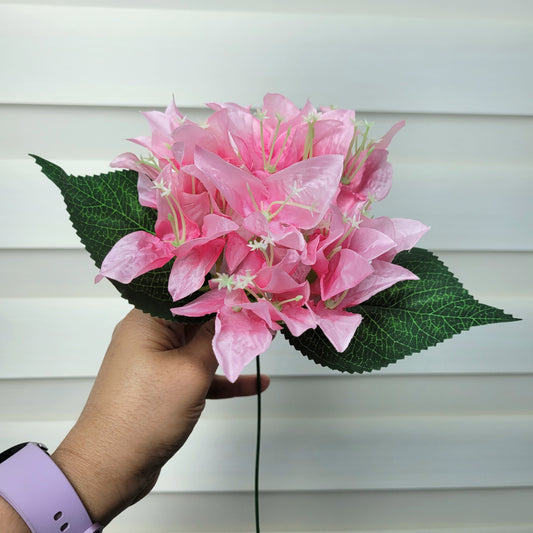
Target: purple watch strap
(41,494)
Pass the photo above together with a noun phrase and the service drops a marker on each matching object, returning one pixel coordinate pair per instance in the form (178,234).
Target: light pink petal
(210,187)
(404,232)
(275,280)
(346,269)
(349,201)
(407,232)
(163,227)
(187,137)
(287,260)
(309,255)
(237,250)
(158,121)
(207,303)
(145,142)
(173,114)
(195,206)
(252,263)
(132,162)
(370,243)
(338,326)
(374,177)
(288,236)
(236,185)
(384,142)
(135,254)
(332,137)
(380,180)
(312,183)
(345,116)
(188,272)
(337,227)
(298,319)
(385,275)
(126,160)
(147,192)
(256,223)
(264,310)
(239,337)
(216,226)
(237,134)
(277,104)
(383,224)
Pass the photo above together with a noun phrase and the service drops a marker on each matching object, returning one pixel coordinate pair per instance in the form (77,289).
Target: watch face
(4,456)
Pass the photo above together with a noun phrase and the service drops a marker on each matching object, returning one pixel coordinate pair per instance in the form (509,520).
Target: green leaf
(103,209)
(408,317)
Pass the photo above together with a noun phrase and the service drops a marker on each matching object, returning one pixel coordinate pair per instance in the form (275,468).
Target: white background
(439,442)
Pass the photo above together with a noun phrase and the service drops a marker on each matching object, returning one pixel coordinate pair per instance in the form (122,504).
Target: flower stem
(258,444)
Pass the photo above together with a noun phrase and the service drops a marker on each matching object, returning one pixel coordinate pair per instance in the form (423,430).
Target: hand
(147,398)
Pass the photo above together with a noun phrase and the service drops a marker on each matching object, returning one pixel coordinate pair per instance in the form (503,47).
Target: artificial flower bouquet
(263,219)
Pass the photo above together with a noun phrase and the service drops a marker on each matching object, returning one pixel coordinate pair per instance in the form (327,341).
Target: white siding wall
(441,441)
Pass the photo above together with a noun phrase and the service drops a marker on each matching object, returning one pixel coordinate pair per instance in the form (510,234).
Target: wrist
(98,492)
(101,471)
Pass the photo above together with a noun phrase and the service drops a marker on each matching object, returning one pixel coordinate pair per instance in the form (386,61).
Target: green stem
(258,445)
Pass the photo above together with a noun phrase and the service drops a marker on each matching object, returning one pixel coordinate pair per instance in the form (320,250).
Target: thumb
(200,347)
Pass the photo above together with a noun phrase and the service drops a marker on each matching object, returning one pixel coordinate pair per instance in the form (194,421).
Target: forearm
(10,519)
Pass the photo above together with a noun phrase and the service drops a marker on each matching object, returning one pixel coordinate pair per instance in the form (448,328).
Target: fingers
(244,386)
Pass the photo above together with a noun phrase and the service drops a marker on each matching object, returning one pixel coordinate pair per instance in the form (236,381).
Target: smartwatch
(41,494)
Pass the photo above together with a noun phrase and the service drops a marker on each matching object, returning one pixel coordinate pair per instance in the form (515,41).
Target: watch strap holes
(58,515)
(64,527)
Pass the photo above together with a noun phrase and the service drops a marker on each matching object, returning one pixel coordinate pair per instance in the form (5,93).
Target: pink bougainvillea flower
(272,206)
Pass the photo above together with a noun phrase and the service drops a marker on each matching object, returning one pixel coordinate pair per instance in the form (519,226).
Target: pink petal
(288,236)
(207,303)
(231,181)
(147,192)
(297,319)
(263,310)
(188,273)
(239,337)
(236,129)
(187,137)
(135,254)
(338,326)
(375,176)
(312,183)
(407,232)
(384,142)
(385,275)
(132,162)
(332,137)
(195,206)
(216,226)
(237,250)
(346,269)
(256,223)
(370,243)
(277,104)
(403,231)
(275,280)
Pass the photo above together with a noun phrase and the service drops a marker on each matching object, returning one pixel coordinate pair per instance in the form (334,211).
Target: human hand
(147,397)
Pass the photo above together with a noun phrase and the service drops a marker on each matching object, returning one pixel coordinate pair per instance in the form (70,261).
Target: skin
(149,393)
